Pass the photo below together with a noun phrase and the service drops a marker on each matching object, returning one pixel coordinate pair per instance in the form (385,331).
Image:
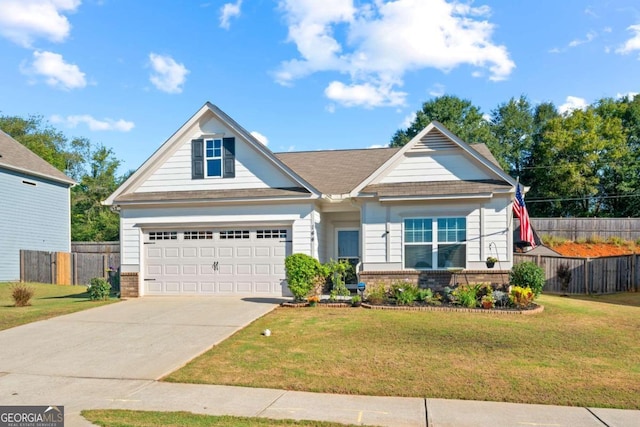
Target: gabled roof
(16,157)
(336,171)
(479,153)
(148,166)
(438,190)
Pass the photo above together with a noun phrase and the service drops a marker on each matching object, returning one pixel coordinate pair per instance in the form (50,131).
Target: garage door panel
(191,287)
(189,269)
(171,252)
(262,269)
(173,287)
(231,261)
(243,252)
(172,269)
(243,269)
(225,286)
(189,252)
(207,252)
(262,252)
(244,287)
(207,287)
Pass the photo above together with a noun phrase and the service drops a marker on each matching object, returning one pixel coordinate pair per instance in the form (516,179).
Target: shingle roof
(336,171)
(17,157)
(483,150)
(176,196)
(438,188)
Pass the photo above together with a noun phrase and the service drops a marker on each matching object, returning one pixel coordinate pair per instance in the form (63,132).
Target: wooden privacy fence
(64,268)
(602,275)
(584,228)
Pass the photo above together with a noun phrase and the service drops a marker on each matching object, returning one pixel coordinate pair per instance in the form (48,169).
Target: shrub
(425,295)
(99,289)
(501,298)
(404,293)
(302,273)
(21,294)
(337,271)
(564,275)
(528,275)
(521,297)
(376,294)
(467,295)
(356,300)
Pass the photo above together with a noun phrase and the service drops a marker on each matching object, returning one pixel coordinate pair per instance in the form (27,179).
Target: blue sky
(303,74)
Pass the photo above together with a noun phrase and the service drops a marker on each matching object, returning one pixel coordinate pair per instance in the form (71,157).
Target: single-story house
(213,211)
(35,207)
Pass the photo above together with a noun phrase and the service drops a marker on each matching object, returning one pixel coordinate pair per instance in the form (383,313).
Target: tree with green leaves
(460,116)
(512,125)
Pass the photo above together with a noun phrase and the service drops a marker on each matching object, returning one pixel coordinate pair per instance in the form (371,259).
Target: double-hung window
(213,157)
(435,243)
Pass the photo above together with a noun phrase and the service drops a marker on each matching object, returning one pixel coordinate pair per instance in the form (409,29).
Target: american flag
(520,209)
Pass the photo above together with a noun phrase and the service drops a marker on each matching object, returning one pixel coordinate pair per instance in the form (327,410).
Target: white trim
(438,126)
(438,197)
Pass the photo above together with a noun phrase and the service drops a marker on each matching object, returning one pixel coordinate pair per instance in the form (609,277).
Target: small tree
(99,289)
(528,274)
(564,275)
(302,273)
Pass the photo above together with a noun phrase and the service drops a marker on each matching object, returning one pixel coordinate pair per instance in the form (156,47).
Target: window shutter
(197,158)
(229,157)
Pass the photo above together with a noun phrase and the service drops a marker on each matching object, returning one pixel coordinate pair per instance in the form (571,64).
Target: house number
(215,266)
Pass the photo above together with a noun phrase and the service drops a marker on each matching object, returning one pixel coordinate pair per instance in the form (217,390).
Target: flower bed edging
(319,304)
(536,310)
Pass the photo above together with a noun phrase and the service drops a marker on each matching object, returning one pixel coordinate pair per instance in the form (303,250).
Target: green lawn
(579,352)
(48,301)
(123,418)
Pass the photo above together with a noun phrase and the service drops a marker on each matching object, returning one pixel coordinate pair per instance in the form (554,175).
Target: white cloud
(377,146)
(386,39)
(408,120)
(57,72)
(572,103)
(22,21)
(260,137)
(94,124)
(633,43)
(366,95)
(588,38)
(629,95)
(228,11)
(168,75)
(437,90)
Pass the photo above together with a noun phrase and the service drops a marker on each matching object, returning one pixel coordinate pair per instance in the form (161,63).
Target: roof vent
(434,141)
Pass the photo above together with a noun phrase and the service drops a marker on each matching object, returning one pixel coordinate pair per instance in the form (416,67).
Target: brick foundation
(129,285)
(437,280)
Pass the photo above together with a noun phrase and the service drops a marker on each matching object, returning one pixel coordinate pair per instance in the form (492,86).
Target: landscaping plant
(337,271)
(467,295)
(528,275)
(302,273)
(21,295)
(99,289)
(564,275)
(521,297)
(404,293)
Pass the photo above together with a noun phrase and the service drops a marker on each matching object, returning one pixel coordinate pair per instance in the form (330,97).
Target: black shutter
(229,157)
(197,158)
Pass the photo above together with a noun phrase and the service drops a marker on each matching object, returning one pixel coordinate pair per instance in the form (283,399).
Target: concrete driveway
(144,338)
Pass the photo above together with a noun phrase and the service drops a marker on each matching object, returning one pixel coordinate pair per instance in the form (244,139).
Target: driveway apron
(144,338)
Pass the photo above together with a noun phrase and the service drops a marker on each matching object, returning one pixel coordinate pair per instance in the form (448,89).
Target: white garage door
(234,261)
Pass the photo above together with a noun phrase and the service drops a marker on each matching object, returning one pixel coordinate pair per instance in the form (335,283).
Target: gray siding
(34,217)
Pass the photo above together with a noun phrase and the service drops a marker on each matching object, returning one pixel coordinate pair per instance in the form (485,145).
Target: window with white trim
(163,235)
(435,243)
(234,234)
(198,235)
(213,158)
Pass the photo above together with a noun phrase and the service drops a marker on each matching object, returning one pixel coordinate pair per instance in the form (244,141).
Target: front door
(349,250)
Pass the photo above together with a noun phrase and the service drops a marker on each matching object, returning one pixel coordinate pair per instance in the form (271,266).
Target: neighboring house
(214,211)
(35,210)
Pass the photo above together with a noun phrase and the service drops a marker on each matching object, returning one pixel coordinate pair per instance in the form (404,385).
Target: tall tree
(460,116)
(575,151)
(512,124)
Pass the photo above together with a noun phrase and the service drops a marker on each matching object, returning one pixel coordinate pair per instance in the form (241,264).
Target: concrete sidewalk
(77,394)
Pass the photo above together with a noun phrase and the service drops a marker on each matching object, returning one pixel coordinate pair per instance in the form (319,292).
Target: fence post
(105,266)
(74,268)
(22,265)
(586,275)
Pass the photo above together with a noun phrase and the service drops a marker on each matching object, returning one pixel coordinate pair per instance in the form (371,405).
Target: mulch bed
(532,309)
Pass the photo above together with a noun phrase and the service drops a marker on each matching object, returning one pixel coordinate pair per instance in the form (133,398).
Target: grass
(124,418)
(578,352)
(48,301)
